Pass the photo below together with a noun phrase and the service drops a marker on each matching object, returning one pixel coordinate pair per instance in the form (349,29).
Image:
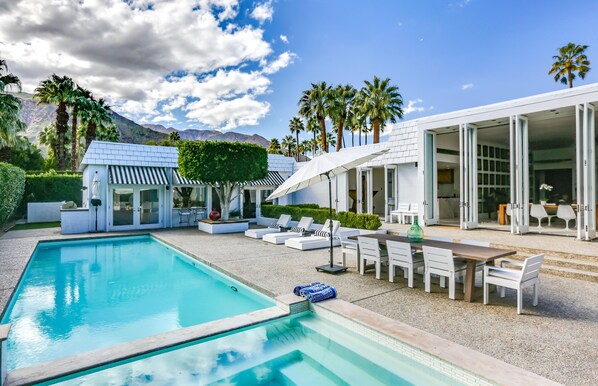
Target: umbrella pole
(330,268)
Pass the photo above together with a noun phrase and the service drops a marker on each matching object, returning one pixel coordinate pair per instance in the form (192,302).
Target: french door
(364,191)
(586,171)
(468,143)
(430,174)
(519,144)
(391,190)
(135,208)
(253,199)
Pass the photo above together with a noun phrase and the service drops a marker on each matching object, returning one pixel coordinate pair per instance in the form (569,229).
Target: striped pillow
(275,225)
(297,229)
(322,233)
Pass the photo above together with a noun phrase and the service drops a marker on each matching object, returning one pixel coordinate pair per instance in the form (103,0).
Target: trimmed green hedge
(320,215)
(52,187)
(12,183)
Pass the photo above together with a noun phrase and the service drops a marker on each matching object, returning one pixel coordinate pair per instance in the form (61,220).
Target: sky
(241,65)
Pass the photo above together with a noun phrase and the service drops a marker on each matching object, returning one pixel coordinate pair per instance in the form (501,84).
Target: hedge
(320,215)
(12,181)
(52,187)
(306,206)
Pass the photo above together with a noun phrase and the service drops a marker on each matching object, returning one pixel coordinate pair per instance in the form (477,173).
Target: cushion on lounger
(297,229)
(322,233)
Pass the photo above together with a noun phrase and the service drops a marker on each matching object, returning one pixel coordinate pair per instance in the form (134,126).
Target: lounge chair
(321,239)
(280,238)
(283,222)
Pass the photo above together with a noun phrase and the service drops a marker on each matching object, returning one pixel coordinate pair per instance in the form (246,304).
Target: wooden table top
(471,252)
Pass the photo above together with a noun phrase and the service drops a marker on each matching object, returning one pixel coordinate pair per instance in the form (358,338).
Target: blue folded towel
(311,289)
(327,293)
(297,290)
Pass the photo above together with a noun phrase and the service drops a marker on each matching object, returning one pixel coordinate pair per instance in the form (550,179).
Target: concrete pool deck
(558,339)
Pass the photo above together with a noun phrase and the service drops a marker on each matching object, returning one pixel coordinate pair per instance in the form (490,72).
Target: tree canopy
(570,60)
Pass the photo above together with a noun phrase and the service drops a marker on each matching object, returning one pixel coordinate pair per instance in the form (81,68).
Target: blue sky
(241,65)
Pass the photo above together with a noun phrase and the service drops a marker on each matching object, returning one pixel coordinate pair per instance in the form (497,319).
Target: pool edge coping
(472,361)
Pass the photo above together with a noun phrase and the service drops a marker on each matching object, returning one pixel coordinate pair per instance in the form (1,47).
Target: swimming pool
(77,296)
(302,350)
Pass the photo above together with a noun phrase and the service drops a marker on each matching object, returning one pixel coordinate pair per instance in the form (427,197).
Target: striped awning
(177,179)
(136,175)
(273,179)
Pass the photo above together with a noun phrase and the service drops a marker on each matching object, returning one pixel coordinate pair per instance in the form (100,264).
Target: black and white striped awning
(136,175)
(177,179)
(273,179)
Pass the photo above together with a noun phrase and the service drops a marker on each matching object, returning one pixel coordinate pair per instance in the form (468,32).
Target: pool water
(77,296)
(304,350)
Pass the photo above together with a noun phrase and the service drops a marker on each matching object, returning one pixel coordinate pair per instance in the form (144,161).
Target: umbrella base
(328,269)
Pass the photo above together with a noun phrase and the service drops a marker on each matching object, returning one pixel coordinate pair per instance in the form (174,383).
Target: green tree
(307,146)
(380,103)
(313,127)
(48,137)
(108,133)
(314,102)
(223,165)
(78,101)
(341,101)
(25,155)
(296,127)
(174,137)
(274,147)
(570,60)
(151,142)
(288,143)
(96,115)
(329,139)
(10,107)
(57,90)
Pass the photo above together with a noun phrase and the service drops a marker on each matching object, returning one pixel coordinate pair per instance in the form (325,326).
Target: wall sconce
(167,187)
(84,188)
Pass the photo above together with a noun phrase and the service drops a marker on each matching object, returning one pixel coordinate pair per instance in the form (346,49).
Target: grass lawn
(36,225)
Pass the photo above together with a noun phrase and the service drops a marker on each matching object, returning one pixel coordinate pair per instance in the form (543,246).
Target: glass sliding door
(122,208)
(249,204)
(364,190)
(586,172)
(430,179)
(468,176)
(520,204)
(135,208)
(149,209)
(263,195)
(391,190)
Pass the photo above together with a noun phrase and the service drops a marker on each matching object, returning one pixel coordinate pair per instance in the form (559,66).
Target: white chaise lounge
(280,238)
(283,221)
(321,239)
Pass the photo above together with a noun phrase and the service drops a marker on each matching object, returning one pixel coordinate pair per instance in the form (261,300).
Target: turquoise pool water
(77,296)
(307,350)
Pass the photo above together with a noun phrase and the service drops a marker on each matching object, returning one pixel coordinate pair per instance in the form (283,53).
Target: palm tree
(288,143)
(381,103)
(274,147)
(330,139)
(78,101)
(341,100)
(571,59)
(307,146)
(313,127)
(314,102)
(57,90)
(10,107)
(96,115)
(108,133)
(296,126)
(365,129)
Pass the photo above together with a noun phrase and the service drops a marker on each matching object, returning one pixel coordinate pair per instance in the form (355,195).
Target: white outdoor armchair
(529,275)
(369,249)
(439,261)
(401,255)
(349,247)
(402,208)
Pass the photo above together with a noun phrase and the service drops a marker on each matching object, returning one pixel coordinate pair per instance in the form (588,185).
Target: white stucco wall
(408,183)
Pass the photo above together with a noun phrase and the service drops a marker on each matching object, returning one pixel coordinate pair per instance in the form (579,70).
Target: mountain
(211,135)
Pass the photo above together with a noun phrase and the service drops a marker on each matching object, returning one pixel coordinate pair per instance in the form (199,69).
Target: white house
(141,188)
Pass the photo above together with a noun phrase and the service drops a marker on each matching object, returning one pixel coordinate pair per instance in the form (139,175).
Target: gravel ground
(558,339)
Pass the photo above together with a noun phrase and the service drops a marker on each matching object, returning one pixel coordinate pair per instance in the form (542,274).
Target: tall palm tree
(571,59)
(57,90)
(307,146)
(274,147)
(341,100)
(78,101)
(288,143)
(296,127)
(10,107)
(96,114)
(330,139)
(381,102)
(313,127)
(314,102)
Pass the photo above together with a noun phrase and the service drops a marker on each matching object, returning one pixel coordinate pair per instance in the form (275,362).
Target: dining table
(472,254)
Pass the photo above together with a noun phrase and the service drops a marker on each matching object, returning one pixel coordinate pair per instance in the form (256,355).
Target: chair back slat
(305,222)
(398,251)
(438,258)
(413,207)
(369,246)
(531,267)
(403,207)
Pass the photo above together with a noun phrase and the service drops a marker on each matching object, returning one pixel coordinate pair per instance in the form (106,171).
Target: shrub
(320,215)
(12,181)
(51,187)
(306,206)
(359,221)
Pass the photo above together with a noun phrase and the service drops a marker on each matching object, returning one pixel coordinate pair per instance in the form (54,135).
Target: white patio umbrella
(323,167)
(95,187)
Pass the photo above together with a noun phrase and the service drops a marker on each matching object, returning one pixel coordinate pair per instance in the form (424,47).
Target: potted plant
(544,188)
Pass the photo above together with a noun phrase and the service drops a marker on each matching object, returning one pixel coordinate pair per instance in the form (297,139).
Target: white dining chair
(349,247)
(566,212)
(369,249)
(402,208)
(537,211)
(411,213)
(401,255)
(439,261)
(529,275)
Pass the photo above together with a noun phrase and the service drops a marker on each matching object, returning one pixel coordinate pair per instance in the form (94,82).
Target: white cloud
(164,118)
(149,63)
(466,86)
(412,108)
(243,111)
(284,39)
(263,11)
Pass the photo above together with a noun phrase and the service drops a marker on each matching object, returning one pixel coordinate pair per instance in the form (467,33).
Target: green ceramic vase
(415,233)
